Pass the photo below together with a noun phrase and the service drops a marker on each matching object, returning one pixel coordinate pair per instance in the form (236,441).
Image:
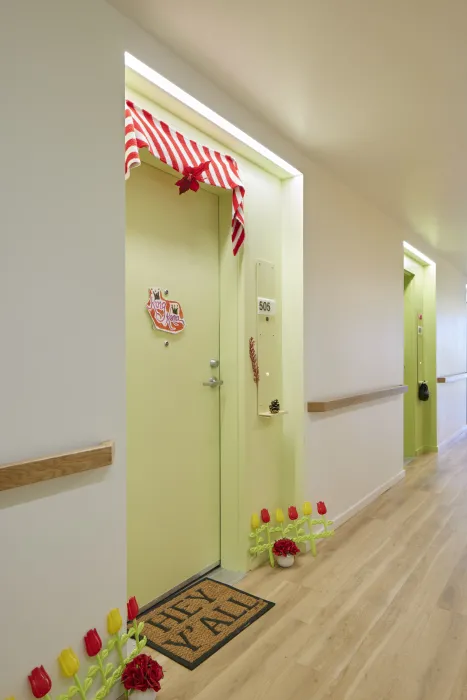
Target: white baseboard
(453,438)
(369,498)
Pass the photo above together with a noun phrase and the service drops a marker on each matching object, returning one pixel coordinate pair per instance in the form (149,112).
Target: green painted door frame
(410,367)
(420,426)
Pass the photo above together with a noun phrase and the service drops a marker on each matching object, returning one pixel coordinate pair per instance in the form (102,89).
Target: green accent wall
(261,458)
(420,432)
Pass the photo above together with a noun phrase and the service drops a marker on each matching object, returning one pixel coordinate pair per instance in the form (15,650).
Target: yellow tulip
(307,509)
(114,621)
(69,662)
(279,515)
(255,521)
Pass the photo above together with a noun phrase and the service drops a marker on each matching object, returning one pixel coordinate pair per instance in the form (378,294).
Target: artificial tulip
(307,509)
(93,643)
(265,517)
(114,621)
(279,515)
(132,608)
(40,682)
(293,513)
(69,662)
(255,521)
(321,508)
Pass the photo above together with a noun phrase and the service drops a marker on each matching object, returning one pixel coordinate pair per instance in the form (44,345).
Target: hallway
(382,612)
(334,144)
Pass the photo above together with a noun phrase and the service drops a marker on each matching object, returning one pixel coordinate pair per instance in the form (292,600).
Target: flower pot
(285,562)
(143,694)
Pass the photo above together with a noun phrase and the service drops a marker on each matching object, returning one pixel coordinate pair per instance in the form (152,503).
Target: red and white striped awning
(142,130)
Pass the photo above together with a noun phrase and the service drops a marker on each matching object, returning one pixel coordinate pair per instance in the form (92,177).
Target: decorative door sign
(166,315)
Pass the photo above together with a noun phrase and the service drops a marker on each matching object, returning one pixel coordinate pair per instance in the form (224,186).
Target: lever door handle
(213,382)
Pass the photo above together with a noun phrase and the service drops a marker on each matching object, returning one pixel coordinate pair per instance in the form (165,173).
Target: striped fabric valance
(142,130)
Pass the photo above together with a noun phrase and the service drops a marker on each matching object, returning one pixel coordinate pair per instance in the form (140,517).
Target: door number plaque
(266,307)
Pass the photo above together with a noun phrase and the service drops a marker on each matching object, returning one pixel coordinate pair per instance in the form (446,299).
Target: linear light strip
(179,94)
(410,249)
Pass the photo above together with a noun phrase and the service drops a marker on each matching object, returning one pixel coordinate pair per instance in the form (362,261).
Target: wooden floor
(380,614)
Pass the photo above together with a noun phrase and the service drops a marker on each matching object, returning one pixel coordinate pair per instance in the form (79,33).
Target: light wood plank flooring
(381,614)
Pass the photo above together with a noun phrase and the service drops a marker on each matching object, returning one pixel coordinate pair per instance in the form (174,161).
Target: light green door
(410,367)
(172,419)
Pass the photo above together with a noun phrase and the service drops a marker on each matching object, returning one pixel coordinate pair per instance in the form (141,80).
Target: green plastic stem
(101,666)
(135,627)
(119,648)
(271,555)
(79,686)
(312,539)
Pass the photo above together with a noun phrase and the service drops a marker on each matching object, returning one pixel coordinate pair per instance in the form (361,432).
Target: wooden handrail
(344,401)
(34,470)
(452,378)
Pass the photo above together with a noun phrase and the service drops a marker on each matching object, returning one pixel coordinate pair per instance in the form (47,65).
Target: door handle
(213,382)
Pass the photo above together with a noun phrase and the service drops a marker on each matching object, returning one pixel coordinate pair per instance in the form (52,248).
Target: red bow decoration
(192,177)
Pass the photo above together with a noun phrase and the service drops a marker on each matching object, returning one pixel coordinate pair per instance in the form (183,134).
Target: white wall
(62,369)
(62,545)
(353,275)
(451,348)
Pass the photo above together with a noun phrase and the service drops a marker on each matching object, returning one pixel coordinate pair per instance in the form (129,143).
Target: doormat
(192,625)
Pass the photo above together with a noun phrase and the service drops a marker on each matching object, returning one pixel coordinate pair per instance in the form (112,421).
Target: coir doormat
(192,625)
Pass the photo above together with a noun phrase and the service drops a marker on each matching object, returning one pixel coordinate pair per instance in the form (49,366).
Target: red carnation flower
(293,513)
(143,673)
(132,608)
(40,682)
(284,546)
(92,642)
(321,508)
(265,517)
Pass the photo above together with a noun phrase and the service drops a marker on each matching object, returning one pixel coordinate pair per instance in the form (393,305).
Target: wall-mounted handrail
(452,378)
(34,470)
(354,400)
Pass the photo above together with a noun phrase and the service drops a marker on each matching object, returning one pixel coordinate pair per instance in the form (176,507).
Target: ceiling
(376,89)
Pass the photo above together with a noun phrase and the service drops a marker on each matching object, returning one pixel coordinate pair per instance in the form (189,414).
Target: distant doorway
(410,367)
(420,419)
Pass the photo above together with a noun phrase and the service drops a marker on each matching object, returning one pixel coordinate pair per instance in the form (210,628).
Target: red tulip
(265,517)
(293,513)
(321,508)
(132,608)
(40,682)
(93,643)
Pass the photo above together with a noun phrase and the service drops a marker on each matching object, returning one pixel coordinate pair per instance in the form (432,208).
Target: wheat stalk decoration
(254,361)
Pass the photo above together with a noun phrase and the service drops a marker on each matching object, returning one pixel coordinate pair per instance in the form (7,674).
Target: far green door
(410,367)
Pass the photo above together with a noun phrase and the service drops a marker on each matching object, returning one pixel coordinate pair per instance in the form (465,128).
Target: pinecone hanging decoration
(275,406)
